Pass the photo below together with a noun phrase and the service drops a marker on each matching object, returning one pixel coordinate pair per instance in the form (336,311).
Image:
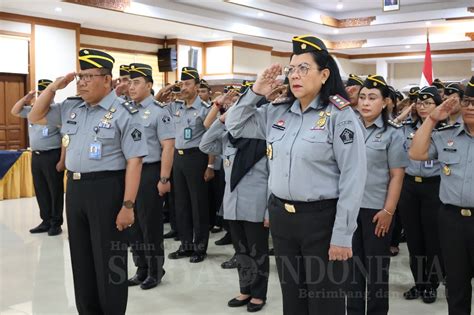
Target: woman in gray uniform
(419,204)
(318,168)
(387,159)
(245,208)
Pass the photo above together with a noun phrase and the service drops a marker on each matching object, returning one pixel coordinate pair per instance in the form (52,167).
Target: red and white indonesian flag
(427,74)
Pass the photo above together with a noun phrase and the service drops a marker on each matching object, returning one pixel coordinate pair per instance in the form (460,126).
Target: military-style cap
(438,84)
(140,70)
(228,88)
(245,85)
(399,95)
(189,73)
(452,88)
(354,80)
(95,59)
(124,70)
(204,85)
(43,84)
(307,43)
(413,93)
(430,92)
(470,88)
(375,82)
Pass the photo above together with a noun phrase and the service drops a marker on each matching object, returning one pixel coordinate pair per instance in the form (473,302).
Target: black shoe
(230,264)
(252,308)
(176,238)
(429,295)
(42,228)
(197,257)
(394,251)
(271,252)
(180,253)
(216,229)
(226,240)
(149,283)
(136,279)
(170,234)
(55,230)
(238,303)
(412,294)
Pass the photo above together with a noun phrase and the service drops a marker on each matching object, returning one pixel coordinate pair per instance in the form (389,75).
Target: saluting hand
(443,111)
(267,81)
(339,253)
(29,97)
(125,219)
(61,82)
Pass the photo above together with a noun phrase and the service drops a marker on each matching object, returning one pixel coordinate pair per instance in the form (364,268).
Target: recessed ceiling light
(260,14)
(428,23)
(407,46)
(340,5)
(58,9)
(336,31)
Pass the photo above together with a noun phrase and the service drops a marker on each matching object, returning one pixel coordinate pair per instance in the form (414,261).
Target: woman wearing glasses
(454,148)
(318,168)
(418,206)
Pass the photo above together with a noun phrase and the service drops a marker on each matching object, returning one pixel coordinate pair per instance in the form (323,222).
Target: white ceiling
(274,22)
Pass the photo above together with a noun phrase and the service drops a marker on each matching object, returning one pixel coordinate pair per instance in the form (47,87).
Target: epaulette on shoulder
(448,127)
(394,124)
(339,102)
(281,101)
(407,122)
(160,103)
(130,108)
(205,104)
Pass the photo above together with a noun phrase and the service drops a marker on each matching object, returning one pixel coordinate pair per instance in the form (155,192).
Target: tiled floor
(35,276)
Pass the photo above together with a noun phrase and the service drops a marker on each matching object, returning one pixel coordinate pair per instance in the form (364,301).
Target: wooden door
(13,130)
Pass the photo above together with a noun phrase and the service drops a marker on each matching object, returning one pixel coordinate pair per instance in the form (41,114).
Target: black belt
(419,179)
(187,151)
(39,152)
(93,175)
(301,206)
(463,211)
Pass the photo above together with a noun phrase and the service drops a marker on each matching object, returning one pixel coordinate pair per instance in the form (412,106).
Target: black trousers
(98,249)
(250,240)
(192,203)
(370,265)
(457,243)
(397,230)
(216,195)
(310,283)
(419,206)
(49,185)
(146,235)
(169,205)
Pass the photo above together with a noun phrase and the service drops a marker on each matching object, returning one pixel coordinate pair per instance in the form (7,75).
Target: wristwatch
(128,204)
(164,180)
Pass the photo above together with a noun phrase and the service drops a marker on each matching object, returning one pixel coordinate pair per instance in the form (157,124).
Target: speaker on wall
(166,59)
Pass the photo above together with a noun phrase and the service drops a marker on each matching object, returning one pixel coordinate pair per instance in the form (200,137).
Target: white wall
(118,43)
(251,61)
(183,58)
(13,54)
(55,51)
(219,59)
(15,27)
(284,61)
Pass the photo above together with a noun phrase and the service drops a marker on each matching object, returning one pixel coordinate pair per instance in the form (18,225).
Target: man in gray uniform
(103,136)
(147,233)
(47,166)
(192,170)
(122,84)
(453,146)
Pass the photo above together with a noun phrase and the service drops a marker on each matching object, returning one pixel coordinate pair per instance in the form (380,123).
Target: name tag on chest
(95,150)
(429,164)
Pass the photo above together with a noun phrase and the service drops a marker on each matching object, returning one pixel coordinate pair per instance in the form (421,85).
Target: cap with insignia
(229,88)
(452,88)
(204,85)
(430,92)
(354,80)
(140,70)
(413,93)
(470,88)
(95,59)
(307,43)
(124,70)
(189,73)
(438,84)
(375,82)
(43,84)
(399,95)
(245,85)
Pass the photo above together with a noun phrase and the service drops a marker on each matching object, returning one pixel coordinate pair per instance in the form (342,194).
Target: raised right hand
(30,96)
(267,81)
(443,111)
(61,82)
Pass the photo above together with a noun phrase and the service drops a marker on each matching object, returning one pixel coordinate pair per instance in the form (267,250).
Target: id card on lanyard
(95,148)
(45,132)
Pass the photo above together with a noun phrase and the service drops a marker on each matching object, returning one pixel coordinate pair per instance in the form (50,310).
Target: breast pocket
(275,142)
(106,135)
(376,151)
(449,159)
(69,129)
(315,146)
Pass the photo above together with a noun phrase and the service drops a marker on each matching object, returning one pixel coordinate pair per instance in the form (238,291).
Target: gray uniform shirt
(123,139)
(316,155)
(158,127)
(454,148)
(248,200)
(428,168)
(42,137)
(385,150)
(191,118)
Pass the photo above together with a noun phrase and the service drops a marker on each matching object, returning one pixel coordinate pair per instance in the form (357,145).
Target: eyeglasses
(301,69)
(425,104)
(467,102)
(86,77)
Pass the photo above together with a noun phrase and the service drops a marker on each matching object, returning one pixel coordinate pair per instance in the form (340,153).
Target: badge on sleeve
(429,164)
(347,136)
(188,133)
(136,135)
(45,131)
(95,150)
